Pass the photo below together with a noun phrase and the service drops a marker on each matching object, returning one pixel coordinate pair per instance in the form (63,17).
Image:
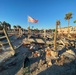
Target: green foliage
(68,16)
(14,26)
(58,22)
(53,30)
(5,25)
(74,21)
(18,26)
(1,27)
(36,29)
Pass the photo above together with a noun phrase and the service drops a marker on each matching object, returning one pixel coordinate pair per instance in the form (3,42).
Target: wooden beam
(12,48)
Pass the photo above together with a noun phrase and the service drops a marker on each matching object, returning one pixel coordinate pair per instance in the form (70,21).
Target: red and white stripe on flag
(32,20)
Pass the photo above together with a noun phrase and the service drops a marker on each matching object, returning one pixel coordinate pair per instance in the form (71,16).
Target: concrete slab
(39,41)
(70,54)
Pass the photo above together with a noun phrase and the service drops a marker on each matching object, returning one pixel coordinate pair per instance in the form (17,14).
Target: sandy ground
(35,66)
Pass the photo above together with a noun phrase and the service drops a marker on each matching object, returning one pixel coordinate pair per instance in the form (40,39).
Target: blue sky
(47,12)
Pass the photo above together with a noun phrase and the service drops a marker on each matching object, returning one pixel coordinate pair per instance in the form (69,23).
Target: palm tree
(0,22)
(55,37)
(18,26)
(68,16)
(74,21)
(9,26)
(29,32)
(4,25)
(0,25)
(15,27)
(58,22)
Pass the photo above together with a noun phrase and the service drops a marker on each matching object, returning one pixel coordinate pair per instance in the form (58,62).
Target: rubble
(43,58)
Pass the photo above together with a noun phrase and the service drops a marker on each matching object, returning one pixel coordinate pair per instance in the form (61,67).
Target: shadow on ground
(66,69)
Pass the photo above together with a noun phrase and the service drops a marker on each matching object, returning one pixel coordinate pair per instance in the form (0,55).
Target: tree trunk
(68,27)
(29,32)
(55,37)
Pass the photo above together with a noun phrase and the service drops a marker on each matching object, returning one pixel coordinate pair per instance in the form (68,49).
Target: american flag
(32,20)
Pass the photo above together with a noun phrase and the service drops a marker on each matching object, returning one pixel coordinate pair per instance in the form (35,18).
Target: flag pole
(32,20)
(28,27)
(27,22)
